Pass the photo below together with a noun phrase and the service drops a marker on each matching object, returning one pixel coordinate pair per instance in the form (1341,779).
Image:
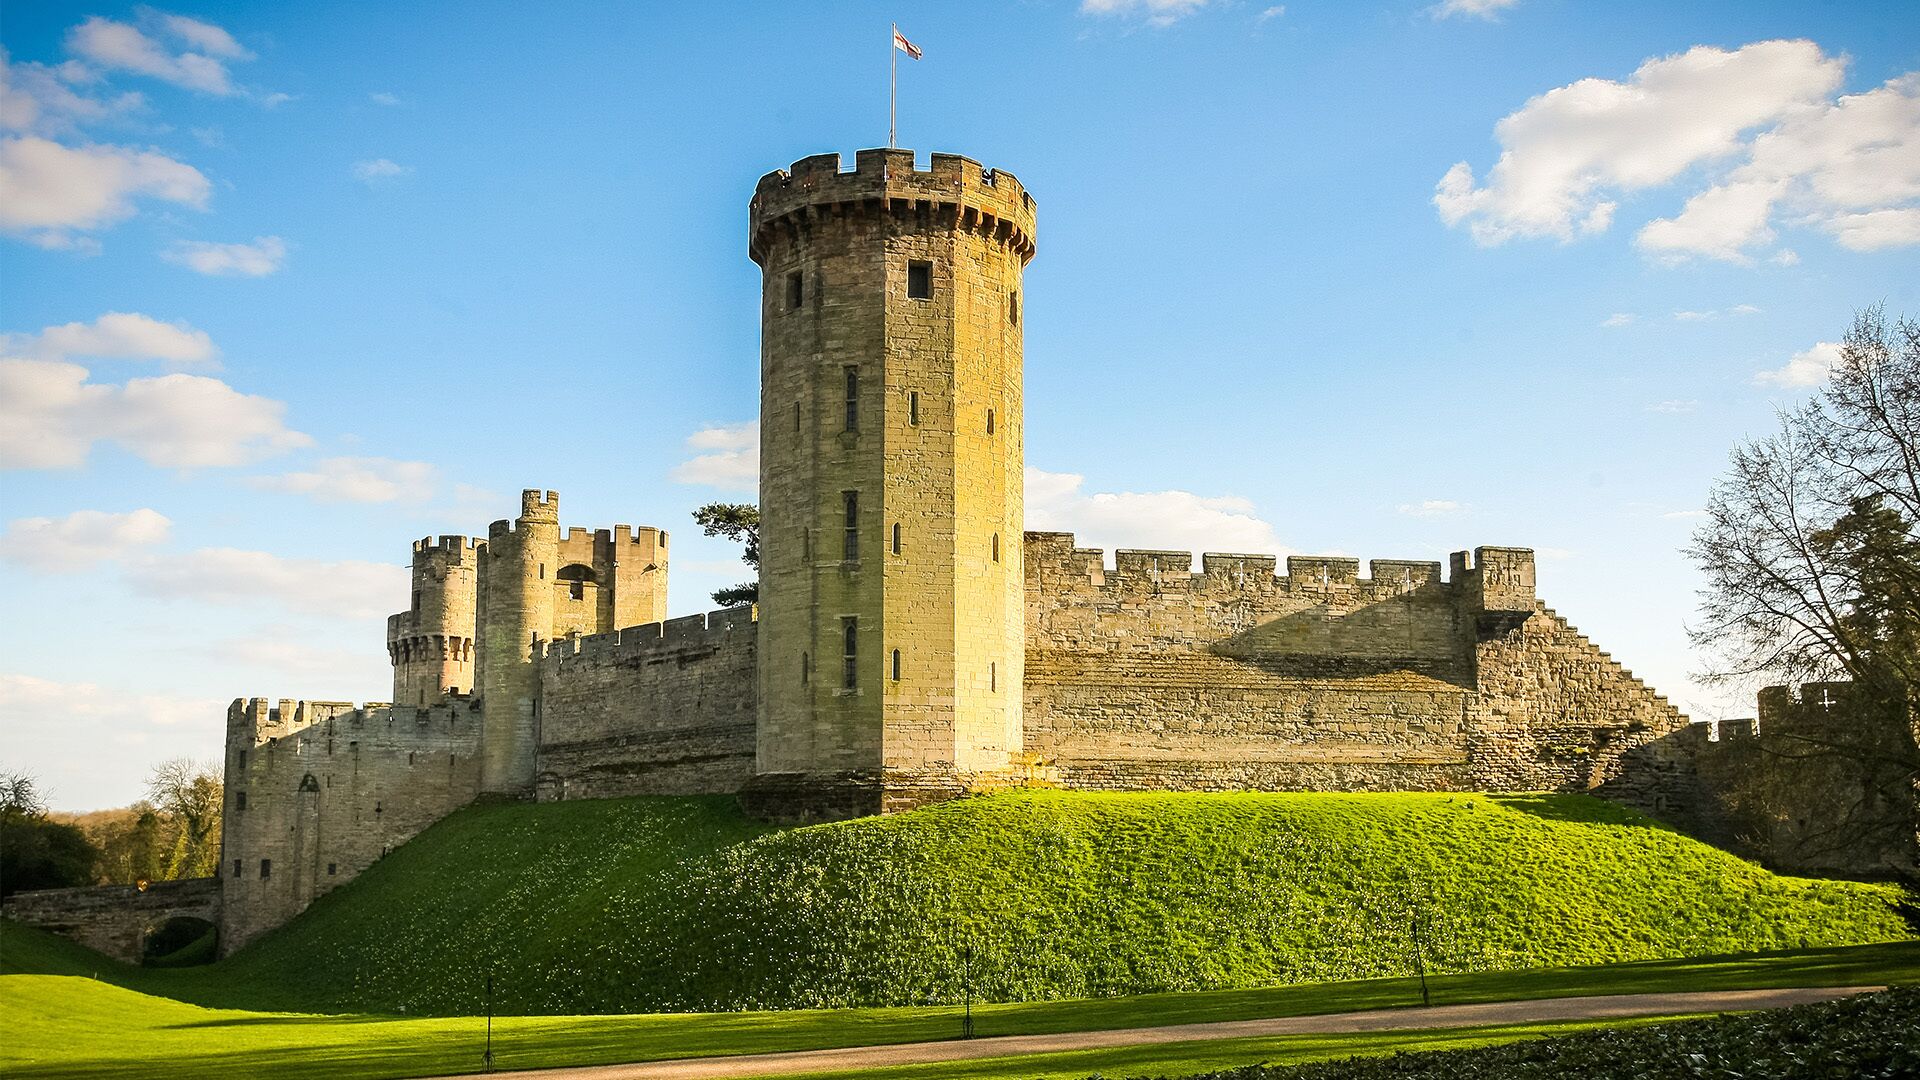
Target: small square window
(796,290)
(332,868)
(239,800)
(919,280)
(266,869)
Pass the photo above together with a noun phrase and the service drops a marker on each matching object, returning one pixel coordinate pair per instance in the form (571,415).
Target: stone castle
(912,642)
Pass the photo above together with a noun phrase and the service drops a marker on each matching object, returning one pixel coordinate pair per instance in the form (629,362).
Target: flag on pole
(900,42)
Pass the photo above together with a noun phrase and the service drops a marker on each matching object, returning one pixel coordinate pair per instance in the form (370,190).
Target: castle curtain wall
(661,709)
(328,789)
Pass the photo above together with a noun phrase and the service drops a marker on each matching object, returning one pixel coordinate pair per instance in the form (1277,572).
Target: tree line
(172,833)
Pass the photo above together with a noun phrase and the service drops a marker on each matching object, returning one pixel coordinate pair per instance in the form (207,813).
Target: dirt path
(1439,1016)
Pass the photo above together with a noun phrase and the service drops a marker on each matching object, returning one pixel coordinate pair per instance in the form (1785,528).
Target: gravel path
(1439,1016)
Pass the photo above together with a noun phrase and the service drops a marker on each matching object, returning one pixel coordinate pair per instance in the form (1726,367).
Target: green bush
(1874,1037)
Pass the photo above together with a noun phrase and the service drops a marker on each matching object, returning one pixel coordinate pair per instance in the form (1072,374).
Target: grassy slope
(649,904)
(66,1026)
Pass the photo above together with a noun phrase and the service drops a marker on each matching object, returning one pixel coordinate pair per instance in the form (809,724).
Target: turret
(516,588)
(431,643)
(537,586)
(890,480)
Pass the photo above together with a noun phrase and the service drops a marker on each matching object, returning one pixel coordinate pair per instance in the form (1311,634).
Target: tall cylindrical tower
(516,590)
(892,622)
(432,642)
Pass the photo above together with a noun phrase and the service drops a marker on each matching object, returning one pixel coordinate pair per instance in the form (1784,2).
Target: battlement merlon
(1497,579)
(651,638)
(251,721)
(445,550)
(1054,555)
(978,197)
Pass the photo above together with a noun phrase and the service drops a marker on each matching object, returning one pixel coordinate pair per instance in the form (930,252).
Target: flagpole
(893,80)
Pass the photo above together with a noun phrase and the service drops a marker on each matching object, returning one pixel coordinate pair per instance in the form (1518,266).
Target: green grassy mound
(679,904)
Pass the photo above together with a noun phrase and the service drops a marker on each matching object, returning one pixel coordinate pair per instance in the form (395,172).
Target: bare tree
(1811,551)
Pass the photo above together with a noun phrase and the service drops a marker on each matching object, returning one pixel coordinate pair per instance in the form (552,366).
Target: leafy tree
(1811,551)
(739,522)
(36,852)
(189,795)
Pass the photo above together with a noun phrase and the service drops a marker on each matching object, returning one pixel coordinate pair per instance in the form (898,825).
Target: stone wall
(1820,785)
(317,791)
(1146,675)
(661,709)
(116,919)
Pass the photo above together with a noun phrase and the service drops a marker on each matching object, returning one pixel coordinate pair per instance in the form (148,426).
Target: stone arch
(308,783)
(179,939)
(578,578)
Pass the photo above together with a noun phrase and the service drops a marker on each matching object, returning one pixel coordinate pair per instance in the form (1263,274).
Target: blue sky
(286,286)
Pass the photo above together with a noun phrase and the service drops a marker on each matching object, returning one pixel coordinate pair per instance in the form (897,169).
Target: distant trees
(739,522)
(171,834)
(37,852)
(1811,549)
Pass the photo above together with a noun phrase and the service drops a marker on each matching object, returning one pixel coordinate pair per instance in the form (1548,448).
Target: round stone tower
(892,604)
(516,589)
(431,643)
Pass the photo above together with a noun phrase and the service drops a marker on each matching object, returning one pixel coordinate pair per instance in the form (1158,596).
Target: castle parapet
(977,198)
(654,639)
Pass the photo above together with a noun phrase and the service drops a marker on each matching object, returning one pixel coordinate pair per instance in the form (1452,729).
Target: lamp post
(488,1056)
(966,982)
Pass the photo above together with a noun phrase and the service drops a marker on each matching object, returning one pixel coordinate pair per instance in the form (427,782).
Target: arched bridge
(116,919)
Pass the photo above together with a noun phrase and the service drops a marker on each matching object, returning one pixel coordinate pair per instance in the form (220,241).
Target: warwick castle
(912,642)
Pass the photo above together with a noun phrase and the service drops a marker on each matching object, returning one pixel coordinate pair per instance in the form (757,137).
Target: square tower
(892,609)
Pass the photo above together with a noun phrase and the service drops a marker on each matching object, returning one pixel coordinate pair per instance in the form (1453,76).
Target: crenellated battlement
(650,639)
(258,721)
(1053,561)
(977,198)
(449,548)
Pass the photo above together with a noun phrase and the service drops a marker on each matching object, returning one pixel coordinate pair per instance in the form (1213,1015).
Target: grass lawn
(64,1025)
(684,904)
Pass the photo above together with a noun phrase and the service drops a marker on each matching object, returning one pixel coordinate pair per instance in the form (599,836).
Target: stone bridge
(116,919)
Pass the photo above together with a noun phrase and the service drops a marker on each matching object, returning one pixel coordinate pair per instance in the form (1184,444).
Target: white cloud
(47,188)
(379,169)
(275,100)
(1808,368)
(383,98)
(262,257)
(1850,168)
(1618,318)
(204,36)
(1478,9)
(730,457)
(92,745)
(1168,520)
(117,335)
(1760,125)
(119,46)
(1785,257)
(1672,406)
(51,415)
(25,698)
(41,98)
(356,479)
(1692,316)
(1274,12)
(255,579)
(1432,508)
(1152,12)
(1715,313)
(1684,515)
(81,539)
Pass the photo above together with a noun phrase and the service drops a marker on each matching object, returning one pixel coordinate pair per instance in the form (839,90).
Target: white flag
(900,42)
